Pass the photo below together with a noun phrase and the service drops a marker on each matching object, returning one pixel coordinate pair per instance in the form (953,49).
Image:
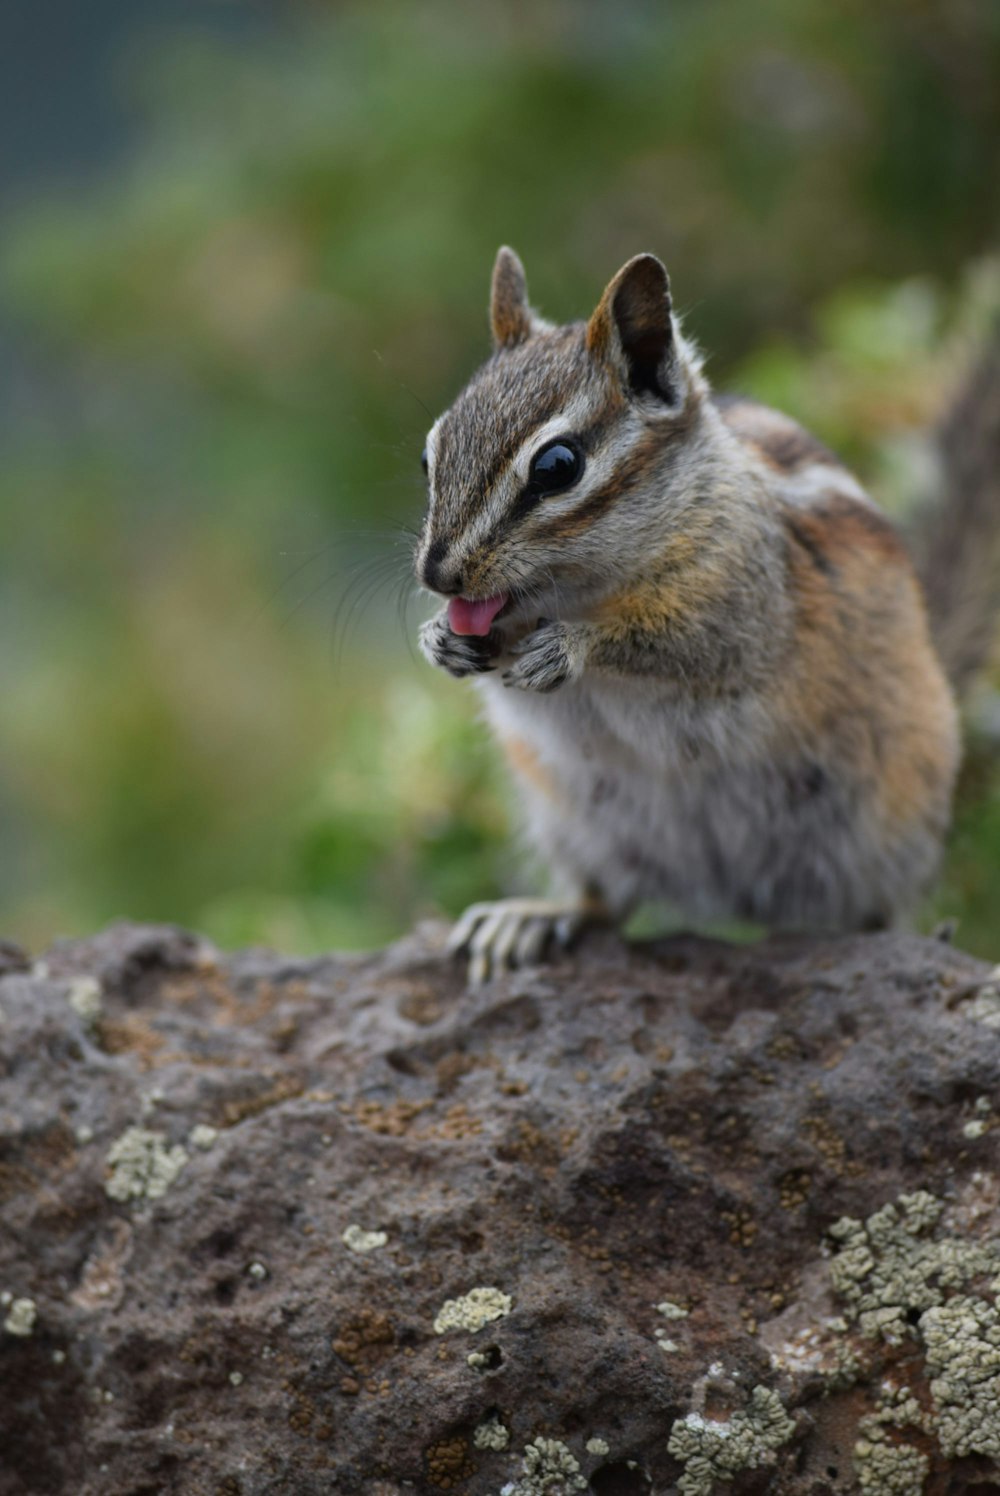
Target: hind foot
(517,932)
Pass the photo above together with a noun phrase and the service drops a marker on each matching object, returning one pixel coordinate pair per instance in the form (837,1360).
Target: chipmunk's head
(552,469)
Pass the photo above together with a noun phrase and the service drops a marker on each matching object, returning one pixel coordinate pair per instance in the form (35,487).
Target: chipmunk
(703,650)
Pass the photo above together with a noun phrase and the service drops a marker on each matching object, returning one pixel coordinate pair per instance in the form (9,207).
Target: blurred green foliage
(234,349)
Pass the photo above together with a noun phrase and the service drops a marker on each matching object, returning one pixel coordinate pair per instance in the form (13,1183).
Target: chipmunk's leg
(516,932)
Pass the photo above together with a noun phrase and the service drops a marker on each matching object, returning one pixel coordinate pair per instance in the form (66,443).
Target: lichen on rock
(473,1310)
(962,1337)
(717,1449)
(887,1269)
(670,1310)
(985,1006)
(142,1166)
(21,1317)
(548,1469)
(357,1239)
(491,1434)
(629,1103)
(885,1467)
(901,1280)
(203,1136)
(86,999)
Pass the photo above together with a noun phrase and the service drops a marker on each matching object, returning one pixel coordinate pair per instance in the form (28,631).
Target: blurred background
(244,254)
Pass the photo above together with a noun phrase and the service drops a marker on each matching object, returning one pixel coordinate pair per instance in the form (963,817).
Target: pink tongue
(466,617)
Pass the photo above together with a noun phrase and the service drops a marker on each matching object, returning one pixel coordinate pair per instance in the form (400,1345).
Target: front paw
(547,658)
(459,654)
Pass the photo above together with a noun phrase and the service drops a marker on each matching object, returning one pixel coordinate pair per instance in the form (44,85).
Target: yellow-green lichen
(886,1269)
(983,1120)
(548,1469)
(885,1468)
(962,1338)
(900,1280)
(21,1317)
(85,998)
(473,1310)
(670,1310)
(142,1166)
(357,1239)
(715,1450)
(985,1006)
(491,1434)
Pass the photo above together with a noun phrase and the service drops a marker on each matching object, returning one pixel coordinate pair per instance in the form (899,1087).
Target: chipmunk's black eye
(423,459)
(555,467)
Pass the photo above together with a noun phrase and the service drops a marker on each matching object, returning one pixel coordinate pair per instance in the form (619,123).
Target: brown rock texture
(237,1193)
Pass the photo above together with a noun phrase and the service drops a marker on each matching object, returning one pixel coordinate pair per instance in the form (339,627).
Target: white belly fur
(684,809)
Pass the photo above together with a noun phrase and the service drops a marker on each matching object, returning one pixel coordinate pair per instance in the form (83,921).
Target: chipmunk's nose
(437,574)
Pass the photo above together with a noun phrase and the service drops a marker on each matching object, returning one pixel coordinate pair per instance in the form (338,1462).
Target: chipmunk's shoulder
(781,443)
(819,496)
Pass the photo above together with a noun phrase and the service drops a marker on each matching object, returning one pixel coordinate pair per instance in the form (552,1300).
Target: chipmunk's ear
(510,315)
(632,328)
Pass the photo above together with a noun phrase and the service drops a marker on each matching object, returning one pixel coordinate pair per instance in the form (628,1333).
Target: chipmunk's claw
(459,654)
(546,659)
(511,933)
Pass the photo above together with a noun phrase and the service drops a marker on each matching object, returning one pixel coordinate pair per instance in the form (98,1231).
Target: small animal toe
(466,927)
(482,960)
(532,938)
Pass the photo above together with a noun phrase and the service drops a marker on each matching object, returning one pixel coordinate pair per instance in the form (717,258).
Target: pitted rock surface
(240,1192)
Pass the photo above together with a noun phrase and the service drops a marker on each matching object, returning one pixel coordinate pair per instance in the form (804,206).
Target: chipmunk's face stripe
(479,472)
(529,385)
(448,529)
(430,449)
(510,499)
(570,421)
(626,470)
(555,514)
(483,501)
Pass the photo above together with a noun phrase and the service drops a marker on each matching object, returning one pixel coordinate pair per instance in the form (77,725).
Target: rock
(650,1220)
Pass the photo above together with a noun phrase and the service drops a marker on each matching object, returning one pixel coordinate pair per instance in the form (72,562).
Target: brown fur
(510,314)
(781,443)
(838,529)
(631,472)
(713,634)
(632,328)
(864,677)
(529,383)
(679,590)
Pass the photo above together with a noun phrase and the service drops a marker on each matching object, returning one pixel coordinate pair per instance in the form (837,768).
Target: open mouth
(466,616)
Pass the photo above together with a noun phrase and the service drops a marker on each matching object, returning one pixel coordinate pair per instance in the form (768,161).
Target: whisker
(368,580)
(555,593)
(414,396)
(404,596)
(357,610)
(364,567)
(271,597)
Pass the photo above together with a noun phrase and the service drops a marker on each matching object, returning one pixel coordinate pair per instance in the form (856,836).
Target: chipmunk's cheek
(466,616)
